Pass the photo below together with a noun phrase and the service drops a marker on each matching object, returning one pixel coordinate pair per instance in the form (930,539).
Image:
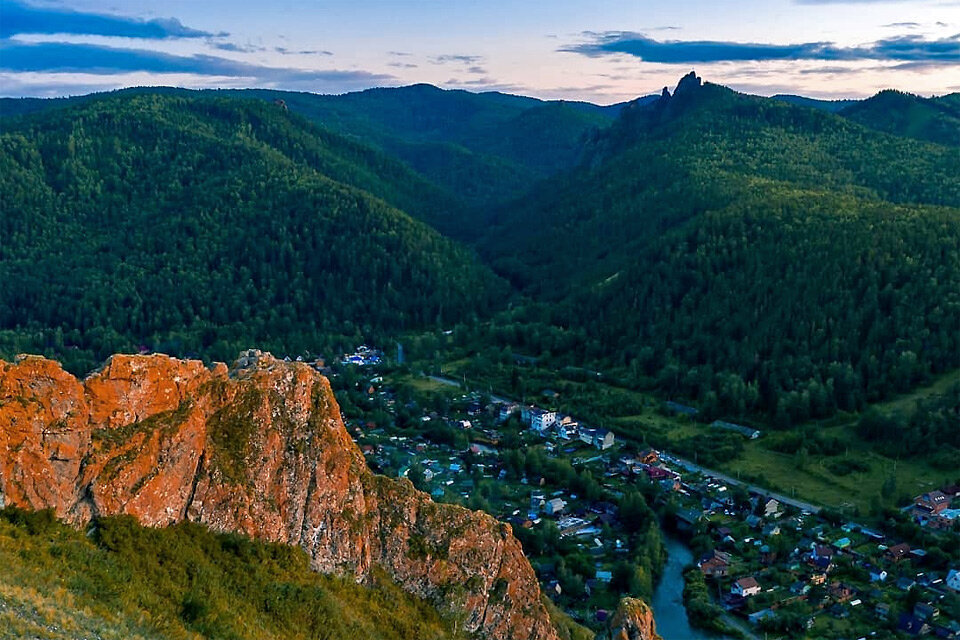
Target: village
(566,489)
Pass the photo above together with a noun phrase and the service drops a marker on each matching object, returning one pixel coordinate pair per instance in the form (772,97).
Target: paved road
(799,504)
(459,385)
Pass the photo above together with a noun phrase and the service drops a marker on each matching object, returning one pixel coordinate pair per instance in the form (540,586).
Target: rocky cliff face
(259,450)
(633,621)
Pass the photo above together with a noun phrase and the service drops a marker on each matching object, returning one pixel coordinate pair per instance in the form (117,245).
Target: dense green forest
(759,257)
(484,148)
(904,114)
(775,258)
(120,580)
(205,225)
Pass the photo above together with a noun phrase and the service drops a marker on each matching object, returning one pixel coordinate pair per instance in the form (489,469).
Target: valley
(621,330)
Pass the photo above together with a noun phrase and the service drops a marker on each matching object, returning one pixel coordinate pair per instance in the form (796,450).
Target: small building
(748,432)
(541,419)
(771,508)
(555,506)
(715,564)
(649,456)
(603,439)
(745,587)
(507,409)
(897,552)
(681,409)
(925,611)
(933,502)
(953,580)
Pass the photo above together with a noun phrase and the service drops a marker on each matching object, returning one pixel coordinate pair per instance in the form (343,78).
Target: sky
(603,51)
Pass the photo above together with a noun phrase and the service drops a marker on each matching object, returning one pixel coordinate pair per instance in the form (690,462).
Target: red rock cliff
(260,450)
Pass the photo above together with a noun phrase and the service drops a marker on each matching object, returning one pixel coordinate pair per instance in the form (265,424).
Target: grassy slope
(126,581)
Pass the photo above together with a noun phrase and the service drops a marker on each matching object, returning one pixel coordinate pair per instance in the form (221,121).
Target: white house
(745,587)
(586,435)
(541,419)
(555,506)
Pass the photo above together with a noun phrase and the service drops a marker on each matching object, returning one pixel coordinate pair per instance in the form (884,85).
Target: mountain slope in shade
(198,225)
(262,451)
(483,148)
(831,106)
(904,114)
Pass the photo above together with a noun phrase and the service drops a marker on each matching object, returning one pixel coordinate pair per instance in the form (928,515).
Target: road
(799,504)
(690,466)
(459,385)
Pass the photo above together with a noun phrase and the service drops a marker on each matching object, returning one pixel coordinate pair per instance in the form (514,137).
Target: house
(715,564)
(566,430)
(745,587)
(842,543)
(759,616)
(877,574)
(912,625)
(897,552)
(586,435)
(905,584)
(931,503)
(649,456)
(771,507)
(748,432)
(840,592)
(604,576)
(953,580)
(555,506)
(603,439)
(882,610)
(925,611)
(541,419)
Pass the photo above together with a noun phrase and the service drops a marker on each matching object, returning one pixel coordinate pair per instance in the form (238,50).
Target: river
(668,610)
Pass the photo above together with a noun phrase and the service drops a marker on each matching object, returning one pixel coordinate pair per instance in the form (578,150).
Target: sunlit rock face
(260,449)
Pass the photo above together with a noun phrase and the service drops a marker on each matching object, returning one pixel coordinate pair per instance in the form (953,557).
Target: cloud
(236,48)
(402,65)
(303,52)
(912,48)
(902,25)
(19,17)
(456,59)
(56,57)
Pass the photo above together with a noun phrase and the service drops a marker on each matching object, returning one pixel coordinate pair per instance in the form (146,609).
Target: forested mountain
(831,106)
(758,256)
(483,147)
(472,149)
(904,114)
(203,225)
